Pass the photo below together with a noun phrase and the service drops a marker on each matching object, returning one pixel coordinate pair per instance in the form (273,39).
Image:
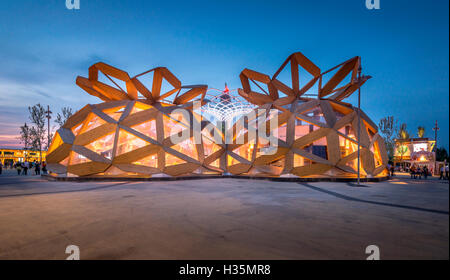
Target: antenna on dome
(226,90)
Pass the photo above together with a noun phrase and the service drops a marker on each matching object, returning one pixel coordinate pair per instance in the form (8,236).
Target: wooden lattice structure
(130,134)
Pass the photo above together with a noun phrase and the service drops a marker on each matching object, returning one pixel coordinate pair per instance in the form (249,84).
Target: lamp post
(359,124)
(48,112)
(435,128)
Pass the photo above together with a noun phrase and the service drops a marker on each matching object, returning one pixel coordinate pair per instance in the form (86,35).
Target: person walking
(419,173)
(37,168)
(18,168)
(1,167)
(412,171)
(44,168)
(26,165)
(441,173)
(425,172)
(446,172)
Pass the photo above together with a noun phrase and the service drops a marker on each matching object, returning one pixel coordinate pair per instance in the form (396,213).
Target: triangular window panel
(214,135)
(139,107)
(114,171)
(231,160)
(209,146)
(241,135)
(76,129)
(174,124)
(265,147)
(187,147)
(94,122)
(369,132)
(128,142)
(65,162)
(318,148)
(301,161)
(173,160)
(280,132)
(76,158)
(354,165)
(315,114)
(216,163)
(246,150)
(376,154)
(347,146)
(149,161)
(147,128)
(303,128)
(115,112)
(348,131)
(103,146)
(57,141)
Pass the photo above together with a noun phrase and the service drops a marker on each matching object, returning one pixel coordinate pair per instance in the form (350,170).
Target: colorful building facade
(417,152)
(12,155)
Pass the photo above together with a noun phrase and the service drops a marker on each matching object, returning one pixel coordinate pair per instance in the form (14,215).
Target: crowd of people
(417,172)
(23,168)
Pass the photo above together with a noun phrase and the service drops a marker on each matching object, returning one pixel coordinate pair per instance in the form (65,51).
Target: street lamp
(359,124)
(48,112)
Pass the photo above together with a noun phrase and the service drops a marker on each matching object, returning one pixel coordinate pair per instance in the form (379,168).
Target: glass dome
(225,105)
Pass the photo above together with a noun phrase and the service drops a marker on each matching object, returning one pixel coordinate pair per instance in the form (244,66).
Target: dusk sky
(404,46)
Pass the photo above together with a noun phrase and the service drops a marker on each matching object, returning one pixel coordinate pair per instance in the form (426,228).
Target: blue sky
(404,46)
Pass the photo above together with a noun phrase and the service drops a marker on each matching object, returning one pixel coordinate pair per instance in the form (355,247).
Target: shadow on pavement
(65,191)
(349,198)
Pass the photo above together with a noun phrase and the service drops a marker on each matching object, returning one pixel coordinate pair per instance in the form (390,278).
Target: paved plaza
(223,219)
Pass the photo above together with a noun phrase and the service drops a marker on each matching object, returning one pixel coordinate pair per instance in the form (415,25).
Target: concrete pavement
(223,219)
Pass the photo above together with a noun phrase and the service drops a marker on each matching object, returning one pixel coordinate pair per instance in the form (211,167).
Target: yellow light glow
(422,158)
(399,183)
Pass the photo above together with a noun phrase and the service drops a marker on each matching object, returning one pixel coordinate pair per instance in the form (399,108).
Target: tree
(403,133)
(66,113)
(25,136)
(37,131)
(421,131)
(441,154)
(388,128)
(402,136)
(401,149)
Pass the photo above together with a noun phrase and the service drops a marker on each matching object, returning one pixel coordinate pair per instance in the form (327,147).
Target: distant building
(417,152)
(8,155)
